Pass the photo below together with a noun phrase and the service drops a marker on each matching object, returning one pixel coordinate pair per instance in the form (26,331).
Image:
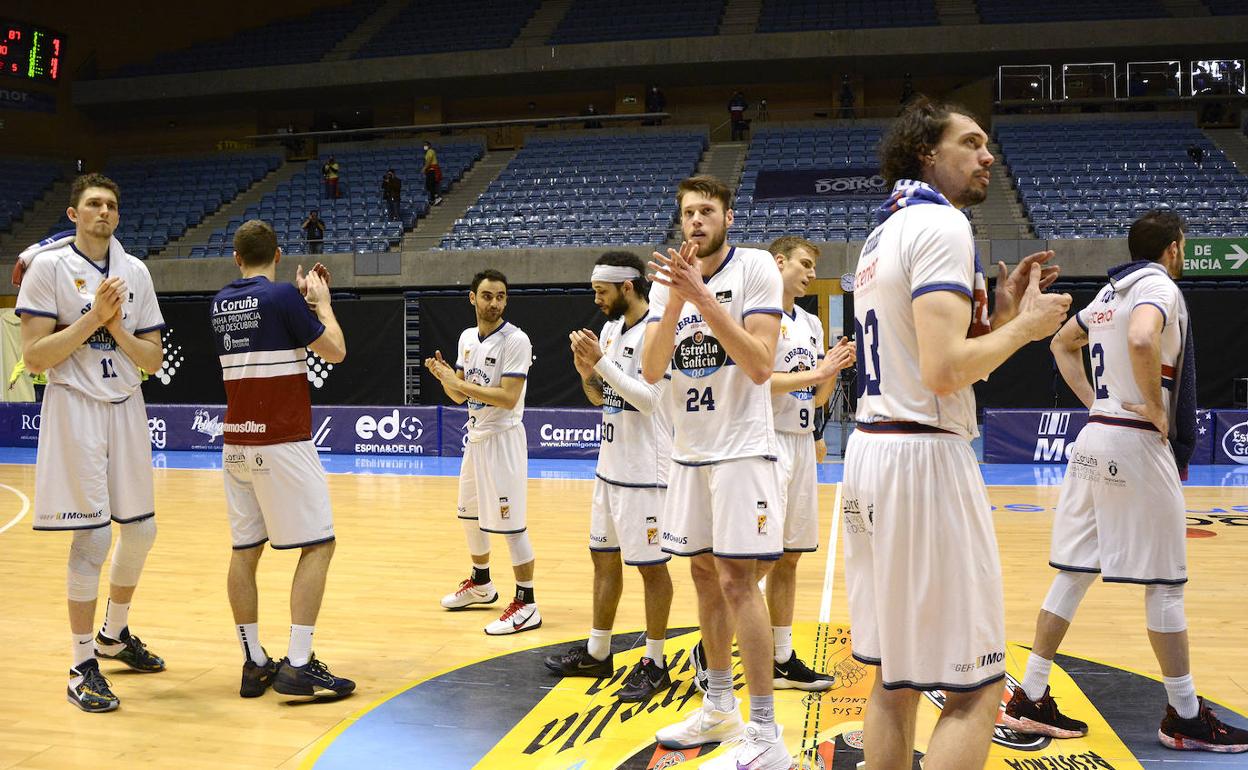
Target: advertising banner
(821,184)
(1230,437)
(1047,436)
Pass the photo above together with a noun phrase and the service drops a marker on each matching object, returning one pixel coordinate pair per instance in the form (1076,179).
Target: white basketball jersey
(61,283)
(636,448)
(799,349)
(718,413)
(504,352)
(1107,320)
(917,250)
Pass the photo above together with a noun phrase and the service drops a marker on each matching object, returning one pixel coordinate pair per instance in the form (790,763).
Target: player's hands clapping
(1041,315)
(1012,284)
(301,283)
(585,352)
(315,289)
(840,356)
(679,272)
(443,371)
(110,296)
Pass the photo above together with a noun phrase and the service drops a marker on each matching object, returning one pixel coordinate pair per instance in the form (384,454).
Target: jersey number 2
(107,365)
(1098,369)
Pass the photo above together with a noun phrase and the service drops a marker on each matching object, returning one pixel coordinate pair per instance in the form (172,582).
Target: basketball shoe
(1040,717)
(129,649)
(470,593)
(754,753)
(516,618)
(578,662)
(257,678)
(704,725)
(89,690)
(1203,732)
(643,681)
(796,675)
(311,679)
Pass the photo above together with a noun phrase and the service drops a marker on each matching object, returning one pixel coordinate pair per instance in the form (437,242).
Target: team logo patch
(504,508)
(762,523)
(490,361)
(699,355)
(80,285)
(628,352)
(723,296)
(652,535)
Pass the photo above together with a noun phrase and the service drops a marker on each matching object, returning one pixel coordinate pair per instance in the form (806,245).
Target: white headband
(614,274)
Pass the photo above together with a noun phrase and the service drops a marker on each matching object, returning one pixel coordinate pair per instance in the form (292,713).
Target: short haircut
(488,274)
(785,245)
(81,184)
(915,133)
(255,242)
(1152,233)
(707,186)
(628,259)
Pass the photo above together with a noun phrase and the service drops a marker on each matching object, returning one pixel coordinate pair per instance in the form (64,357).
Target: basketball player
(802,381)
(275,487)
(631,476)
(714,318)
(90,320)
(921,563)
(490,373)
(1120,513)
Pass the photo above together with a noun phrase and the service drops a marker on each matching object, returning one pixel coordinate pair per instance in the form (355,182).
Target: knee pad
(133,542)
(1066,592)
(1163,607)
(520,547)
(478,541)
(86,559)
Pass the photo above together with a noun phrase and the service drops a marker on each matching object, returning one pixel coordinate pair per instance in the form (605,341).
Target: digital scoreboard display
(29,52)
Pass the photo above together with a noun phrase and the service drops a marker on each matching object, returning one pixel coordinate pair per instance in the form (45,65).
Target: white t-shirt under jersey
(61,284)
(917,250)
(1107,319)
(636,446)
(799,349)
(718,413)
(504,352)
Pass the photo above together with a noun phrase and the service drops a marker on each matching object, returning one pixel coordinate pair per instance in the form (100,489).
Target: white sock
(300,651)
(116,618)
(1036,680)
(249,638)
(599,643)
(654,651)
(783,637)
(719,690)
(1181,692)
(84,650)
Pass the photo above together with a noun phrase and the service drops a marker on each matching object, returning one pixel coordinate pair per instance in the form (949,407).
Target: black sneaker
(257,678)
(643,681)
(578,662)
(312,679)
(1203,732)
(132,652)
(796,675)
(1041,717)
(92,693)
(698,656)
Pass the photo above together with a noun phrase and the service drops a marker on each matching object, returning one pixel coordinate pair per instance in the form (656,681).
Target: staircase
(1233,144)
(1001,216)
(199,234)
(542,24)
(349,45)
(740,17)
(432,228)
(953,12)
(1182,9)
(36,221)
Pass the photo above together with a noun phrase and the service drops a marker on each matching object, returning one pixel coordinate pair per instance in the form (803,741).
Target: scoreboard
(30,53)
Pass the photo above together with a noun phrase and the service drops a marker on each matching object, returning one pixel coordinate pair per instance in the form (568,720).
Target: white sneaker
(754,753)
(516,618)
(470,593)
(706,725)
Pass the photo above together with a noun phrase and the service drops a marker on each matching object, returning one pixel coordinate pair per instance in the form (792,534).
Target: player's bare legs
(608,586)
(657,584)
(963,733)
(782,589)
(888,730)
(308,586)
(713,618)
(523,572)
(241,584)
(1050,631)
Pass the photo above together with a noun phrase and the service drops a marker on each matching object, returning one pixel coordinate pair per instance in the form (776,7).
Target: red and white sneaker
(516,618)
(470,593)
(1203,732)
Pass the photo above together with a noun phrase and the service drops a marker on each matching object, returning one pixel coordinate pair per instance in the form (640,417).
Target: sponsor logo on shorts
(234,458)
(208,424)
(504,508)
(1113,468)
(78,515)
(853,517)
(602,539)
(668,537)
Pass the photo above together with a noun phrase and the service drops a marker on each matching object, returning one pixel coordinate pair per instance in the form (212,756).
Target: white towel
(55,242)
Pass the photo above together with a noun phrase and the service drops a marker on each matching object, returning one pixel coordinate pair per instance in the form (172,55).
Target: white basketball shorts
(278,493)
(94,462)
(493,481)
(800,485)
(921,564)
(733,509)
(626,519)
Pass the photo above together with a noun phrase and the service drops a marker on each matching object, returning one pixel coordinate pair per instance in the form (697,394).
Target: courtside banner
(559,434)
(1048,435)
(821,183)
(19,424)
(1230,437)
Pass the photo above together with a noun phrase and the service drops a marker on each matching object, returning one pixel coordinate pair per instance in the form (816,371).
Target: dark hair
(255,242)
(81,184)
(488,274)
(705,185)
(628,259)
(1153,233)
(915,133)
(786,243)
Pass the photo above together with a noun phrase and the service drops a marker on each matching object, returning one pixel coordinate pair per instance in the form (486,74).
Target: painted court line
(21,513)
(829,570)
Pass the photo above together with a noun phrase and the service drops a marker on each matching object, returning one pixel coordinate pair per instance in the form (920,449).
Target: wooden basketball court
(399,549)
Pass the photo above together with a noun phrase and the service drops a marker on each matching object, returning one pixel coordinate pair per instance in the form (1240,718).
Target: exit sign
(1216,256)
